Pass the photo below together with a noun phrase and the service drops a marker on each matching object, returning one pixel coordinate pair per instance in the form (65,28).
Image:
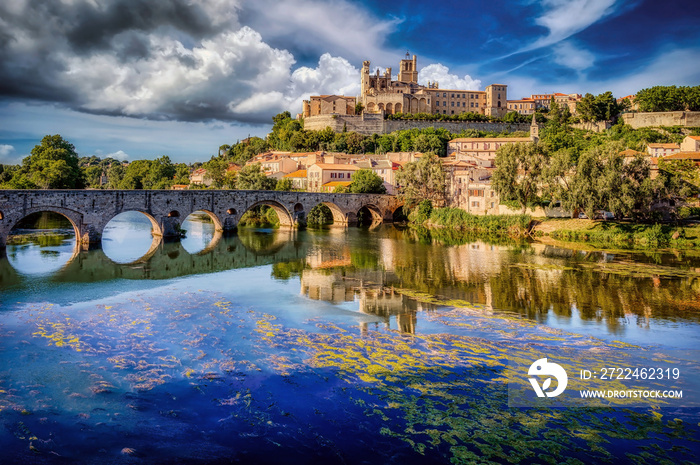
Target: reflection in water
(41,244)
(200,232)
(128,237)
(306,344)
(385,272)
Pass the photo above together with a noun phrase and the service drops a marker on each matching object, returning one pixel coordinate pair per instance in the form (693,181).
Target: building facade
(380,93)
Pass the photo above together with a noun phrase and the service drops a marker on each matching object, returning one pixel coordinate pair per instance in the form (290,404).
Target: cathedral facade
(380,93)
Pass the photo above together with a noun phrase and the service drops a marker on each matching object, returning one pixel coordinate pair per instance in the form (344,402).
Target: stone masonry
(89,211)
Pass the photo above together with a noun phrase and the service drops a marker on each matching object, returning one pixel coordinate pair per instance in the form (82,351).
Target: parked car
(603,215)
(582,216)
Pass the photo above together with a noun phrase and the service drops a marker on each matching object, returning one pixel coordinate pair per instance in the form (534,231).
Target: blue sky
(139,79)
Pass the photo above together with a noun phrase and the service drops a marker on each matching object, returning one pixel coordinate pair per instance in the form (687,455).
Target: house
(480,150)
(691,144)
(692,156)
(524,106)
(662,150)
(271,163)
(470,189)
(179,187)
(298,179)
(200,177)
(319,174)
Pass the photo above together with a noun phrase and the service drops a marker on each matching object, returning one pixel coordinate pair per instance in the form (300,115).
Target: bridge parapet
(89,211)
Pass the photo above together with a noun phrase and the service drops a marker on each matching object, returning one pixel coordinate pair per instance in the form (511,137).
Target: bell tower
(408,70)
(364,78)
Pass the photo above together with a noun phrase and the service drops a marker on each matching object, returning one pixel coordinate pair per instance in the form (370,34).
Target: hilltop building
(381,94)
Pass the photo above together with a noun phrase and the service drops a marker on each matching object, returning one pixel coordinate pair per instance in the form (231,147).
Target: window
(493,205)
(444,103)
(453,95)
(332,175)
(472,104)
(453,104)
(444,95)
(475,204)
(341,175)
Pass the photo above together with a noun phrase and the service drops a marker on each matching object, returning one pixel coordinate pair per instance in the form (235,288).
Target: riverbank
(617,234)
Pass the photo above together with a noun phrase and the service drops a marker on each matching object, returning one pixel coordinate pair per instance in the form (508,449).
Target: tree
(284,184)
(92,175)
(160,174)
(53,164)
(251,177)
(358,108)
(319,215)
(216,170)
(518,173)
(366,181)
(424,179)
(662,98)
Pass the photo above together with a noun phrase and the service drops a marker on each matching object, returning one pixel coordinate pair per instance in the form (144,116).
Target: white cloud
(565,18)
(118,155)
(333,75)
(566,54)
(441,74)
(6,150)
(316,26)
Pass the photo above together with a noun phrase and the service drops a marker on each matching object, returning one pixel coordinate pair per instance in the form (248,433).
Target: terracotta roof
(296,174)
(491,139)
(336,166)
(631,153)
(684,156)
(337,183)
(664,146)
(695,137)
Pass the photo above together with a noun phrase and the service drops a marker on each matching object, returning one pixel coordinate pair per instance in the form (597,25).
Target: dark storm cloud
(92,27)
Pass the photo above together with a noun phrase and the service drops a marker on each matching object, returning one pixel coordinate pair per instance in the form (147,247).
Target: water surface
(380,345)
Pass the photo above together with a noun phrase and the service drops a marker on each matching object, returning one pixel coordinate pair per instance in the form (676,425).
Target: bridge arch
(156,230)
(285,217)
(374,212)
(75,218)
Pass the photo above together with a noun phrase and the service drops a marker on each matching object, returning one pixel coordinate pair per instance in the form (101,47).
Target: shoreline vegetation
(603,234)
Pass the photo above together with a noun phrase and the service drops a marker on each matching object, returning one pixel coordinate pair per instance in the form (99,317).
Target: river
(341,345)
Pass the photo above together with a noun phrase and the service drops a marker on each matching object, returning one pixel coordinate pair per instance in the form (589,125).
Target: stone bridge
(89,211)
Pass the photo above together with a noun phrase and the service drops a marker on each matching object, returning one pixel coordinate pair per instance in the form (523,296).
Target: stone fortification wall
(668,118)
(599,126)
(454,126)
(368,124)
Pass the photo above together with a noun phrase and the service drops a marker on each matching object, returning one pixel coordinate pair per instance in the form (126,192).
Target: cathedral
(379,93)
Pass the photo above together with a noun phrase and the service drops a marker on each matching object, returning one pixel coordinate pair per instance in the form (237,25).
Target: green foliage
(422,180)
(284,184)
(422,212)
(602,107)
(456,218)
(669,98)
(260,216)
(251,177)
(519,170)
(53,164)
(319,215)
(366,181)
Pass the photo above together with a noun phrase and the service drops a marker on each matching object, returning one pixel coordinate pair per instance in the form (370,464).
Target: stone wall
(668,118)
(368,124)
(454,126)
(89,211)
(598,126)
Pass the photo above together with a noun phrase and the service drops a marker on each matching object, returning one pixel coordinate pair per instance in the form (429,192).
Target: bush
(456,218)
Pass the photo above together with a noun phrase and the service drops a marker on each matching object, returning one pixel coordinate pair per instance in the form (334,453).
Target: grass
(620,234)
(456,218)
